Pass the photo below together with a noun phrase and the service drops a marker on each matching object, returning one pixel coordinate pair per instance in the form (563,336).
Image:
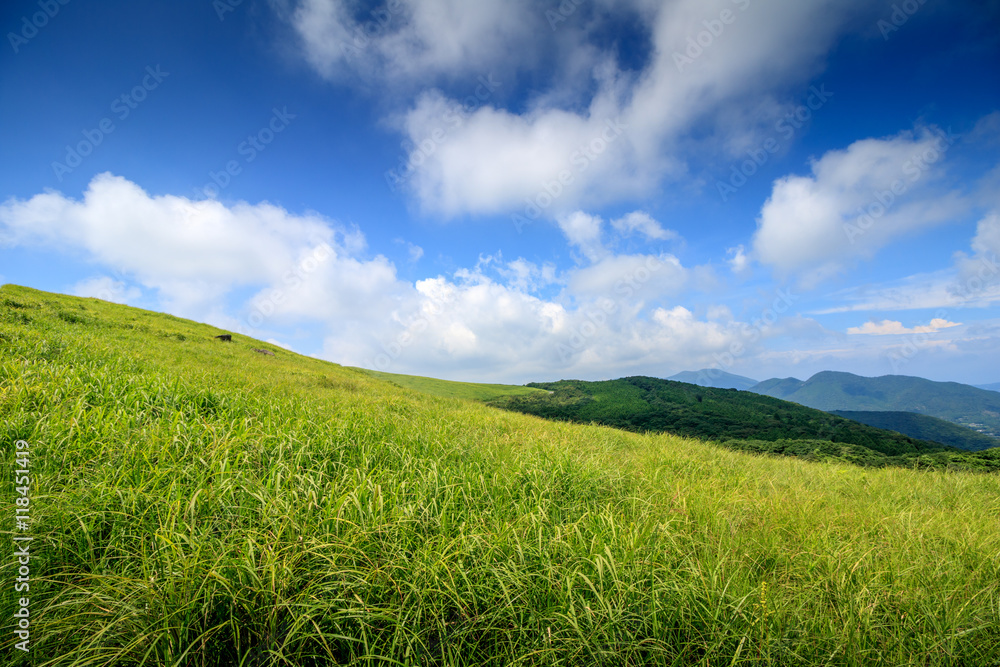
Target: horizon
(505,192)
(713,372)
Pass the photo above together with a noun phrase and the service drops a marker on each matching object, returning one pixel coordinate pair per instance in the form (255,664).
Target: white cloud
(855,202)
(400,40)
(609,316)
(191,252)
(738,260)
(642,222)
(526,276)
(892,327)
(978,279)
(278,343)
(106,289)
(565,148)
(413,251)
(642,277)
(584,231)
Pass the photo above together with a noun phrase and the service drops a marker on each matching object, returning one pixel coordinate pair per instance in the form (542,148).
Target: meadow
(194,502)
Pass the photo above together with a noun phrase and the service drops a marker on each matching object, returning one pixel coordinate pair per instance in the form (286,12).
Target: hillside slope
(924,427)
(741,420)
(958,403)
(194,502)
(450,389)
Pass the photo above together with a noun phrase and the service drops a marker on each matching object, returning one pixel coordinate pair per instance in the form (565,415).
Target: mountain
(740,420)
(196,501)
(713,377)
(989,387)
(924,427)
(961,404)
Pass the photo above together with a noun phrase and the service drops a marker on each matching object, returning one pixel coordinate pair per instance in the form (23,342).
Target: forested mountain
(740,420)
(961,404)
(923,427)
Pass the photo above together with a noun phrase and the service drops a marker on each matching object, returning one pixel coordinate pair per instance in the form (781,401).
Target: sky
(515,191)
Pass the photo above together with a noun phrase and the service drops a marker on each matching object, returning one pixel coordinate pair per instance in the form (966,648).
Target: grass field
(194,502)
(450,389)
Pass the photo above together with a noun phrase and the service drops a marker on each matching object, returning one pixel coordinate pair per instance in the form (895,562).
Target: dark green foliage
(924,427)
(738,419)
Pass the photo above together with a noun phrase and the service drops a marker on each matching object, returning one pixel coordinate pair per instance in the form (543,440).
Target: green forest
(738,420)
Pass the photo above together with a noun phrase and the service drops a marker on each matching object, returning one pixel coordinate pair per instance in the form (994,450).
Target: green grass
(197,503)
(450,389)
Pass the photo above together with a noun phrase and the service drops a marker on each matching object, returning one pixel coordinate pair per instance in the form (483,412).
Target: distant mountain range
(713,377)
(972,412)
(978,409)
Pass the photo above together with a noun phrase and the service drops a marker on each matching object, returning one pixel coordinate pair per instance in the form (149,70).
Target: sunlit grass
(198,503)
(452,389)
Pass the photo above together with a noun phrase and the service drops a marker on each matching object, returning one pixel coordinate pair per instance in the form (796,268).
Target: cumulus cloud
(191,252)
(400,40)
(583,231)
(643,276)
(853,203)
(610,314)
(738,260)
(561,151)
(642,222)
(892,327)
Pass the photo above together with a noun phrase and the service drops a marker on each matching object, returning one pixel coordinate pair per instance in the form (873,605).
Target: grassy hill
(195,502)
(713,377)
(958,403)
(924,427)
(740,420)
(451,389)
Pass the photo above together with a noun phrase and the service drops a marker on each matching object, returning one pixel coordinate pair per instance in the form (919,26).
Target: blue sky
(512,190)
